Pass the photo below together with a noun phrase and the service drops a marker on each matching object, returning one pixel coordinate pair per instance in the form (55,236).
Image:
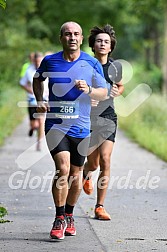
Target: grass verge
(10,114)
(147,125)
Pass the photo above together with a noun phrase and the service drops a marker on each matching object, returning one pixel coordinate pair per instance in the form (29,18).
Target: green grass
(10,114)
(147,125)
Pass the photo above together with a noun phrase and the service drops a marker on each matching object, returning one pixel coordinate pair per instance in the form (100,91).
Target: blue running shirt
(70,107)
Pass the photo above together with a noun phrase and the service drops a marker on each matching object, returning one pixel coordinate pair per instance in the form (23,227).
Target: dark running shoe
(30,133)
(70,229)
(59,227)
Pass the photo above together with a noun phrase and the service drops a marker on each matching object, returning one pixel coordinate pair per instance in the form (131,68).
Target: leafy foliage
(43,19)
(3,212)
(3,3)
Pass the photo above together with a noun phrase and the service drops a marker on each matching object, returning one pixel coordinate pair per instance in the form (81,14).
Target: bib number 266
(66,109)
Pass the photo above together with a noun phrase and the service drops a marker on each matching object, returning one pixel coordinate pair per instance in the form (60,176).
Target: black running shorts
(31,112)
(58,141)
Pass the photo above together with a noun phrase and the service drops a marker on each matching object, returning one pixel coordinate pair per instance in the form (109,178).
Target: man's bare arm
(38,88)
(27,88)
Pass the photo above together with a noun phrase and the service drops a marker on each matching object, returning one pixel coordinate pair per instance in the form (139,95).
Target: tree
(150,14)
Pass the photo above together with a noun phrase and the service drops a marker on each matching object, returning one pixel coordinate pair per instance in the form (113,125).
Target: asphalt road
(136,200)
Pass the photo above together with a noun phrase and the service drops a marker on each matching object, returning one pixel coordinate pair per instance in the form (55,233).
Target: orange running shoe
(88,186)
(101,214)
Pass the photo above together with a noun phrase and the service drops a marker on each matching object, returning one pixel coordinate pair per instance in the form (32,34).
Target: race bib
(67,109)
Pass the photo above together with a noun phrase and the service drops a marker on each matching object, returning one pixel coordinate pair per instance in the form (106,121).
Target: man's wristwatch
(90,90)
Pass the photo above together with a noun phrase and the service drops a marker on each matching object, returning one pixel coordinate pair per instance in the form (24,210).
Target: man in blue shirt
(74,78)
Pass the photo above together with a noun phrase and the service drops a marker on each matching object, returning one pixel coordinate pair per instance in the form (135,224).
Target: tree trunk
(164,65)
(156,48)
(148,58)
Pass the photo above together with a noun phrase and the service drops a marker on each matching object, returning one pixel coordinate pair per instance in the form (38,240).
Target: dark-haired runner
(103,118)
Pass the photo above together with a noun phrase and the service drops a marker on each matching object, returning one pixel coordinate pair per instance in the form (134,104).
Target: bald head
(69,24)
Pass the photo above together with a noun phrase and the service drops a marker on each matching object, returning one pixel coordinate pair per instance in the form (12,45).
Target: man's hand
(82,86)
(94,103)
(114,91)
(43,107)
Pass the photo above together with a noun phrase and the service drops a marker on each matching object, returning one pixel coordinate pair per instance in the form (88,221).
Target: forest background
(141,30)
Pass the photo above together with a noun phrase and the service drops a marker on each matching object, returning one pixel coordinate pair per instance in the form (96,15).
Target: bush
(154,78)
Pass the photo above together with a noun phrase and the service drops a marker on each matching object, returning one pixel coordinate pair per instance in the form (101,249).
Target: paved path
(136,200)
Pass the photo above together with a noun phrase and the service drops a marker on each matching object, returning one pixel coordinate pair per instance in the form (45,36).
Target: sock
(60,211)
(98,205)
(69,209)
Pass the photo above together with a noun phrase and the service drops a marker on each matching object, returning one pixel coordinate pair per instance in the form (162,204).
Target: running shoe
(88,186)
(30,133)
(58,229)
(101,214)
(70,229)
